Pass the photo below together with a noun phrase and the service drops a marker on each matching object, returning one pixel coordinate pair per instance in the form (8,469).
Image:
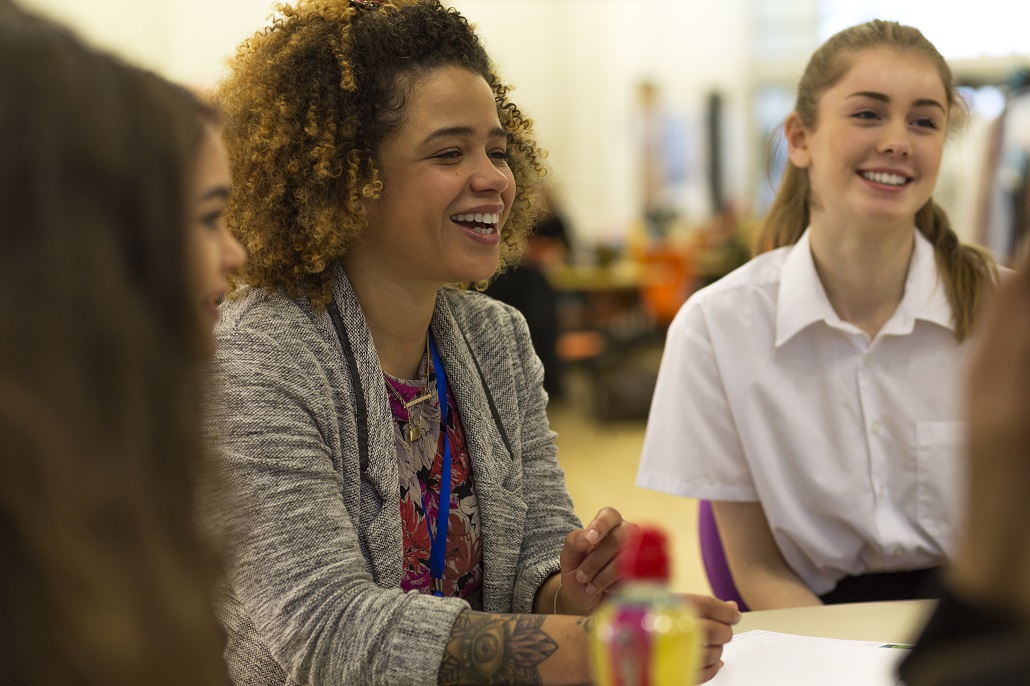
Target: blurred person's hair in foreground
(103,578)
(980,631)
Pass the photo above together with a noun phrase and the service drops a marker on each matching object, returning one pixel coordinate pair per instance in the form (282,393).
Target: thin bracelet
(556,598)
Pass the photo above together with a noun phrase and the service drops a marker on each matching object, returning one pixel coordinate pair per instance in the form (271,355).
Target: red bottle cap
(646,555)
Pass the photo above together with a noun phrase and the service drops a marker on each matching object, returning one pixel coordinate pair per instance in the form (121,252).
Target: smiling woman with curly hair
(306,120)
(397,510)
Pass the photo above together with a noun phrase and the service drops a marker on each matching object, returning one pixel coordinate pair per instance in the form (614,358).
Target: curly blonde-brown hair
(308,103)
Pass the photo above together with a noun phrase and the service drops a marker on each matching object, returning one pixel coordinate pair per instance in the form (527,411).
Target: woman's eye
(926,122)
(500,155)
(865,114)
(448,155)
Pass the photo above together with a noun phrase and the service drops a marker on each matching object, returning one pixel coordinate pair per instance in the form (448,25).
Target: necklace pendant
(415,401)
(414,431)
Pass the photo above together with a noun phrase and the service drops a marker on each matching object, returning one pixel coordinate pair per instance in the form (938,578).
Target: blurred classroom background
(661,118)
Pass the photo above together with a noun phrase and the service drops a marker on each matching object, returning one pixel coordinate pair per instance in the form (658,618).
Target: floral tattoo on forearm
(495,649)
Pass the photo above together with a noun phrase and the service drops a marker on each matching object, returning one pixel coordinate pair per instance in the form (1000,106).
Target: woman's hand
(717,619)
(589,562)
(590,568)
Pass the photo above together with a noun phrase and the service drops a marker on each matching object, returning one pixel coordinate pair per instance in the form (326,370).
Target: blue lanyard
(438,543)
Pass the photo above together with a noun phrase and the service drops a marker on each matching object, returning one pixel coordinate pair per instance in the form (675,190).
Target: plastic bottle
(644,635)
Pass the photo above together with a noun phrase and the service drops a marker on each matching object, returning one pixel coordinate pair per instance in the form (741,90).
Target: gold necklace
(414,428)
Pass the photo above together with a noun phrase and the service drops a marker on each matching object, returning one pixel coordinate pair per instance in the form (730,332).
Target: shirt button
(896,552)
(875,427)
(868,361)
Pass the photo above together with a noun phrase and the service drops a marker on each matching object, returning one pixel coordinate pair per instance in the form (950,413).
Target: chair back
(714,558)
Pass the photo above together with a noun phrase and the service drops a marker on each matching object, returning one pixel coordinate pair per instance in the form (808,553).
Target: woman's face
(875,151)
(215,252)
(447,187)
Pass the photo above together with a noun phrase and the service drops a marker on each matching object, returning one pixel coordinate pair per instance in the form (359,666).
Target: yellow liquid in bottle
(646,637)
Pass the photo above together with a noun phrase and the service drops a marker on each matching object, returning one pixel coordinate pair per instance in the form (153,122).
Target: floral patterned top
(420,463)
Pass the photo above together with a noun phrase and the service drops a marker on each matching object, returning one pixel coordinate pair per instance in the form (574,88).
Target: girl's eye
(926,122)
(500,155)
(213,220)
(448,155)
(866,114)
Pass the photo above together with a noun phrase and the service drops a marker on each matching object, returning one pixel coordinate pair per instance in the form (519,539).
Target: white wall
(575,65)
(177,39)
(135,30)
(201,41)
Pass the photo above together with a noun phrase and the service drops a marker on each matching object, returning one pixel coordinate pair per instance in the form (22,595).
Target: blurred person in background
(526,287)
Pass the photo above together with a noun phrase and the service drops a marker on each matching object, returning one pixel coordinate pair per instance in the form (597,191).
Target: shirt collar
(925,297)
(802,299)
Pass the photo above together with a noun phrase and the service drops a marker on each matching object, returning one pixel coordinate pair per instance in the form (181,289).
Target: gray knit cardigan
(312,590)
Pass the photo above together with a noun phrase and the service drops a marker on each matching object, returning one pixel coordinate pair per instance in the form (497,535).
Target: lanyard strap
(438,543)
(361,414)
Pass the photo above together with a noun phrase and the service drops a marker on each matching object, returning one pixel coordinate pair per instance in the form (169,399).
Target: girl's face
(875,151)
(215,252)
(447,187)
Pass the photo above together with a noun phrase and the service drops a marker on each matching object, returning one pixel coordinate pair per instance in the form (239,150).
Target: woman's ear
(367,198)
(357,208)
(797,141)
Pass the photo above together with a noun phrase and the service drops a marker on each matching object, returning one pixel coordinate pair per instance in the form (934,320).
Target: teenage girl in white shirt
(812,395)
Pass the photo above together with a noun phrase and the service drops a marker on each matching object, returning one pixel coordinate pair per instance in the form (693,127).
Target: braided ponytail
(968,272)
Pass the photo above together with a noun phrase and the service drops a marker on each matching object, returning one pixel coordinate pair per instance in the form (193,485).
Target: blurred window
(999,28)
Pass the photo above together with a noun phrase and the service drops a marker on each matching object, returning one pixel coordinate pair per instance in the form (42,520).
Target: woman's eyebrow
(446,131)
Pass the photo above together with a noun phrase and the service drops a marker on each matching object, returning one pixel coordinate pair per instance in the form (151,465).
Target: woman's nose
(490,174)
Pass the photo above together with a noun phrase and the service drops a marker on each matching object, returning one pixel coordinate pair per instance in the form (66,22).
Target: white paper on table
(768,658)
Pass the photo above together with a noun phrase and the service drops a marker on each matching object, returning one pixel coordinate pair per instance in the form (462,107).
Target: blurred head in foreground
(105,276)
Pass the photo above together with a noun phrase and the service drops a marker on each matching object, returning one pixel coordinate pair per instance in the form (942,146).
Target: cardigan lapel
(380,528)
(502,513)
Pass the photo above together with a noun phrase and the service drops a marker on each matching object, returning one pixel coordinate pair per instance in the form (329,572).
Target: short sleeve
(691,445)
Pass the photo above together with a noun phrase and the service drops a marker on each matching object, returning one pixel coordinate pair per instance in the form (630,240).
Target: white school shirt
(853,446)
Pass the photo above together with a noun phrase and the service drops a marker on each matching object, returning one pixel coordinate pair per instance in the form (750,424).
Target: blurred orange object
(575,346)
(669,279)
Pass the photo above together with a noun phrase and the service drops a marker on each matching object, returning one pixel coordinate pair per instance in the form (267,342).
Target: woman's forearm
(488,649)
(548,600)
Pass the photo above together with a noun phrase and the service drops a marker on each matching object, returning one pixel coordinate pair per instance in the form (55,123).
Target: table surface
(888,622)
